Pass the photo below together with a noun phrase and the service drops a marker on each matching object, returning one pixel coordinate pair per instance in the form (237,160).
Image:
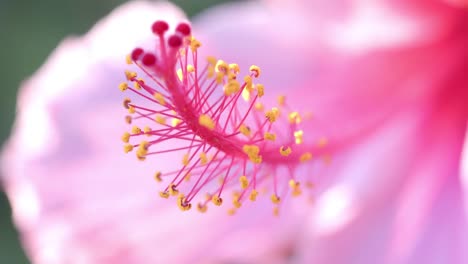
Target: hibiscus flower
(385,81)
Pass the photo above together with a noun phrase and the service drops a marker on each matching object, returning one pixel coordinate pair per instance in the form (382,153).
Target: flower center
(218,126)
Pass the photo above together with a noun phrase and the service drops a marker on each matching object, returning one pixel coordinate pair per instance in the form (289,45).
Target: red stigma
(184,29)
(174,41)
(148,59)
(159,27)
(136,53)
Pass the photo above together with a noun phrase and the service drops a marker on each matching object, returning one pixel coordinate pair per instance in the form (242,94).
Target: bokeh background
(29,31)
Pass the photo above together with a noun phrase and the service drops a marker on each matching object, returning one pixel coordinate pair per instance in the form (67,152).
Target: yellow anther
(157,176)
(175,122)
(322,142)
(126,103)
(281,100)
(211,60)
(187,177)
(142,150)
(256,70)
(128,119)
(244,182)
(185,159)
(296,187)
(294,118)
(246,95)
(128,59)
(275,199)
(182,203)
(147,130)
(245,130)
(136,130)
(276,211)
(131,109)
(128,148)
(285,151)
(234,67)
(180,74)
(164,195)
(270,136)
(217,200)
(260,90)
(160,119)
(221,66)
(123,86)
(253,195)
(251,149)
(211,72)
(202,208)
(130,75)
(190,68)
(231,76)
(292,183)
(298,136)
(248,83)
(206,121)
(139,84)
(160,98)
(173,190)
(219,77)
(203,158)
(252,152)
(231,87)
(259,106)
(194,44)
(126,137)
(272,115)
(305,157)
(236,202)
(231,211)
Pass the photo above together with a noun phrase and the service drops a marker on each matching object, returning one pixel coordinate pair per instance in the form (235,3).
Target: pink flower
(385,81)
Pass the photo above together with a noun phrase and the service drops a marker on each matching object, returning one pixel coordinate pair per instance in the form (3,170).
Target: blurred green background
(29,31)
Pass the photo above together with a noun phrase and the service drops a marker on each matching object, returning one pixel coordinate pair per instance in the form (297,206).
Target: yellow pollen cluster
(270,136)
(194,44)
(123,86)
(256,70)
(157,176)
(221,66)
(252,152)
(126,137)
(272,115)
(285,151)
(126,103)
(275,199)
(218,201)
(298,136)
(173,190)
(136,130)
(305,157)
(160,119)
(142,150)
(244,182)
(182,203)
(203,158)
(128,148)
(164,195)
(138,83)
(259,106)
(281,100)
(296,187)
(130,75)
(260,90)
(206,121)
(159,97)
(248,83)
(236,200)
(185,159)
(231,87)
(245,130)
(202,208)
(294,118)
(253,195)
